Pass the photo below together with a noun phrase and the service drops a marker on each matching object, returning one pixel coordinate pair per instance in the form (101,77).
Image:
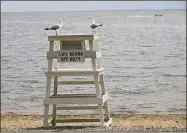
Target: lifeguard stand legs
(54,113)
(54,105)
(106,106)
(48,85)
(103,90)
(96,80)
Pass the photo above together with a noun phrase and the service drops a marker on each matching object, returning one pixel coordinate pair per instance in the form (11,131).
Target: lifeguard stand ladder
(72,46)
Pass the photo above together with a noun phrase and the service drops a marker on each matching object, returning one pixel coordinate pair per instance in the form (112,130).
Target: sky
(23,6)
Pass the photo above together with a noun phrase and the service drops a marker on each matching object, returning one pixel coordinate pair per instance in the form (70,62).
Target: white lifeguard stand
(72,49)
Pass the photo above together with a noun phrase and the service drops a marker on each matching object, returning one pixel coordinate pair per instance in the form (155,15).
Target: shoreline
(121,122)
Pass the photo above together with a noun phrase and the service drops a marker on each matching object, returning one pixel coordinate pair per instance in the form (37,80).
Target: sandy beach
(134,122)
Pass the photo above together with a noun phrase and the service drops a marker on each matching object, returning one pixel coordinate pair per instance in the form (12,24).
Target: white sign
(71,56)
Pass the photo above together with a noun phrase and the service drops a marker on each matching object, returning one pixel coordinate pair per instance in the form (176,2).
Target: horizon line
(100,10)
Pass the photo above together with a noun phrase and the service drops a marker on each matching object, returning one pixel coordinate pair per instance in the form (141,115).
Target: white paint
(75,51)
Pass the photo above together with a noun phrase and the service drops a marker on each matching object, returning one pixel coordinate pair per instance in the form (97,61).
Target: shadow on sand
(61,128)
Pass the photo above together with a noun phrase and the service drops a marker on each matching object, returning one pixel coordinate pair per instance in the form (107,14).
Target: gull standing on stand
(94,26)
(56,27)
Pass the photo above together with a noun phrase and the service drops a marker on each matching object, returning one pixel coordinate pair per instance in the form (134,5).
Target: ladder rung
(76,82)
(76,100)
(77,120)
(72,95)
(75,72)
(78,108)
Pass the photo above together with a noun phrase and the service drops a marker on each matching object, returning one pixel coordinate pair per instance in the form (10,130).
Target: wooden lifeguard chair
(72,49)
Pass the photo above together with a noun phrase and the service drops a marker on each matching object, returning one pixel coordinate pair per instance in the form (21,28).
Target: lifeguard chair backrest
(72,45)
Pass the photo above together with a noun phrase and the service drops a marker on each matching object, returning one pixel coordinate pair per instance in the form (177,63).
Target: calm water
(144,59)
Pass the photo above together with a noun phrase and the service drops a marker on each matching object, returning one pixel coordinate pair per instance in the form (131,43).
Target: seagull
(56,27)
(93,26)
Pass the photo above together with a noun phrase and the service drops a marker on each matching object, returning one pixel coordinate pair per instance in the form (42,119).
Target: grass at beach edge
(121,122)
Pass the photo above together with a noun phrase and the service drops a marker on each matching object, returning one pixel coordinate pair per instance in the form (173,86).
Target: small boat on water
(157,15)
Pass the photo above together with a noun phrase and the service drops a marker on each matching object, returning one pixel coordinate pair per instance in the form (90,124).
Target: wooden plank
(72,37)
(76,120)
(88,54)
(74,72)
(64,73)
(101,113)
(54,105)
(72,95)
(48,86)
(96,79)
(98,55)
(103,92)
(105,97)
(72,101)
(75,82)
(78,108)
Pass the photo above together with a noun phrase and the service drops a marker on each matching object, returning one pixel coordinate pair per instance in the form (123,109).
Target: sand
(135,122)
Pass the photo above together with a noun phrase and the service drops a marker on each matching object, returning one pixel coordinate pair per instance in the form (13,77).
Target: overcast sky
(21,6)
